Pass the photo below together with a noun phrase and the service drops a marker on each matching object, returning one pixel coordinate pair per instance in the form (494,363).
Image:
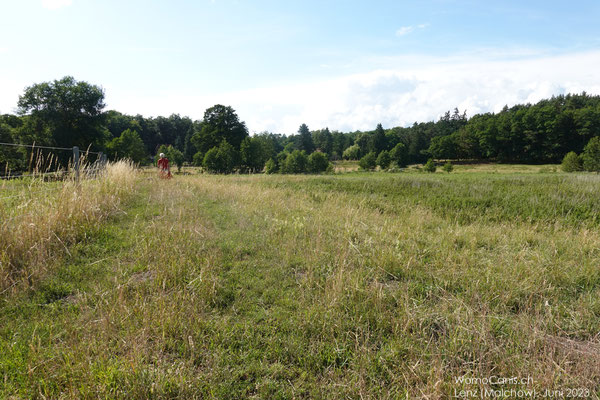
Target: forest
(68,113)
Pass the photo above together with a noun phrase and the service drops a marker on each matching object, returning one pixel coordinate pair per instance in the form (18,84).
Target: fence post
(76,162)
(99,164)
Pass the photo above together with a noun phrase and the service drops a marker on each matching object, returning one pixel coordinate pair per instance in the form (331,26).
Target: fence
(78,166)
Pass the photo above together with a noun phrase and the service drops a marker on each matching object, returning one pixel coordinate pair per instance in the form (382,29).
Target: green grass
(361,285)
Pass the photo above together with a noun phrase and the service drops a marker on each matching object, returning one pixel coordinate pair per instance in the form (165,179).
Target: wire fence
(34,146)
(72,166)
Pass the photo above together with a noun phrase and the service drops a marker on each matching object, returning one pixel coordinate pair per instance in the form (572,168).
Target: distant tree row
(540,133)
(66,112)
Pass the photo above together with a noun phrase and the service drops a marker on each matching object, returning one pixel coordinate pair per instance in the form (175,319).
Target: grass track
(362,285)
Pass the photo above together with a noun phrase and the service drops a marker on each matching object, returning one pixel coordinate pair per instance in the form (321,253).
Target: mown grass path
(315,287)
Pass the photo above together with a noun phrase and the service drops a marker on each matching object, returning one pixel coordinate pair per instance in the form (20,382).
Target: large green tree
(63,113)
(254,152)
(305,140)
(443,147)
(323,140)
(363,141)
(378,140)
(220,123)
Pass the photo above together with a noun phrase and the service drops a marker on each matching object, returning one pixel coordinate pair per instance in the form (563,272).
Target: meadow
(351,285)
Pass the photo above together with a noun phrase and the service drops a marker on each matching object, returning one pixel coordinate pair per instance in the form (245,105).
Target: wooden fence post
(99,164)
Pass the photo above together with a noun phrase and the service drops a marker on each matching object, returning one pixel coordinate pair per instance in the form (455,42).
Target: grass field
(344,166)
(357,285)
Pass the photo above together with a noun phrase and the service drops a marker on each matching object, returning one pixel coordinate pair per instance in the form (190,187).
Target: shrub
(295,163)
(220,159)
(280,159)
(352,152)
(317,162)
(128,145)
(211,160)
(591,155)
(571,162)
(271,167)
(368,162)
(174,156)
(430,166)
(448,167)
(398,155)
(198,159)
(384,160)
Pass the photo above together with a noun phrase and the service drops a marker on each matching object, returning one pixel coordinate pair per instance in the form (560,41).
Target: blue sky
(343,64)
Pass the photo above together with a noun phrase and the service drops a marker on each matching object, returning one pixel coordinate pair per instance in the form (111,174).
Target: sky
(342,64)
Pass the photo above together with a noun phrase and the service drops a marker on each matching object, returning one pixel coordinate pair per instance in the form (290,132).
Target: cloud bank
(416,90)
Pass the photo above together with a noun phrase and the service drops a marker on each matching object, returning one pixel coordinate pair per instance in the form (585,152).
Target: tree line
(67,112)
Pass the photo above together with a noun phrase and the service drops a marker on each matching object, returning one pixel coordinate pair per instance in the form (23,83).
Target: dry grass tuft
(38,220)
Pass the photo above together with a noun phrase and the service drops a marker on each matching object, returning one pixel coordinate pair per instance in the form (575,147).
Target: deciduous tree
(64,113)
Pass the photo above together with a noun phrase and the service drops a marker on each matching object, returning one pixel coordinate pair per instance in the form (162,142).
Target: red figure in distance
(164,171)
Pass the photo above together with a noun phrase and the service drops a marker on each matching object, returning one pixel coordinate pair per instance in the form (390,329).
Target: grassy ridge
(361,285)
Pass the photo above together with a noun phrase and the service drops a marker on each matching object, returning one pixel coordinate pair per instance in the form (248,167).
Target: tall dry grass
(38,220)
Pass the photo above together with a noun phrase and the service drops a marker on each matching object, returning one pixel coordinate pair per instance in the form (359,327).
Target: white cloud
(55,4)
(405,30)
(419,89)
(9,95)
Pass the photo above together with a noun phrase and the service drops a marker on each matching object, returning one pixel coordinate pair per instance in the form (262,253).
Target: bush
(128,145)
(368,162)
(174,156)
(399,155)
(430,166)
(211,160)
(591,155)
(571,162)
(351,153)
(220,159)
(448,167)
(280,159)
(384,160)
(271,167)
(198,159)
(317,162)
(295,163)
